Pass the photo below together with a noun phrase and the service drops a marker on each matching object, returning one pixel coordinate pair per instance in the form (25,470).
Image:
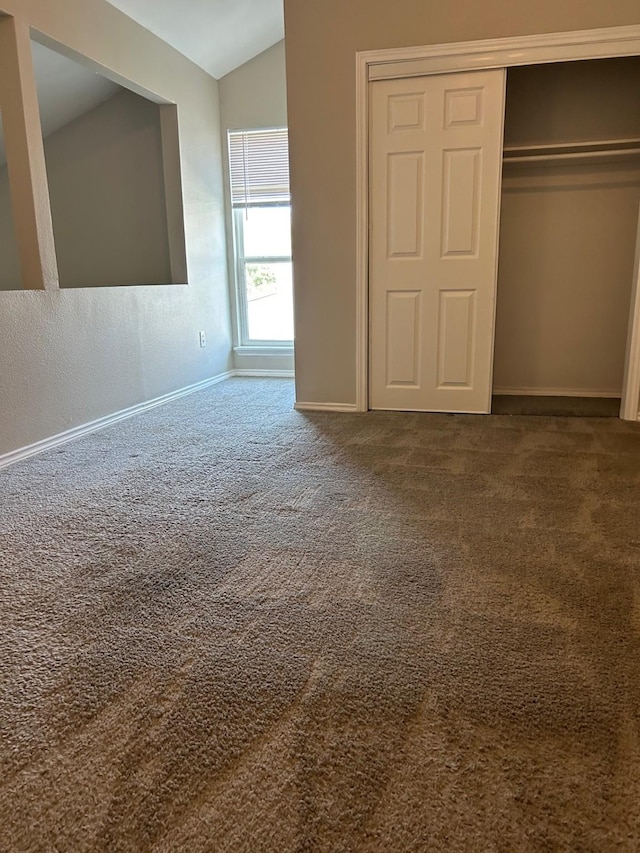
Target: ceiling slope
(218,35)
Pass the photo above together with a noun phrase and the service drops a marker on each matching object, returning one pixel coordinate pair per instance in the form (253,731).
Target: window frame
(247,345)
(240,262)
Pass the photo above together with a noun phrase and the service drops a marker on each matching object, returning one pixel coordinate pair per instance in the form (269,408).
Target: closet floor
(579,407)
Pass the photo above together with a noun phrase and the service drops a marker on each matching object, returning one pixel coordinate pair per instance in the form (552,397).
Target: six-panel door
(435,175)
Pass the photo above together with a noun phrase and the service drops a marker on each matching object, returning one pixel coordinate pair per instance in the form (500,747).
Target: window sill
(268,350)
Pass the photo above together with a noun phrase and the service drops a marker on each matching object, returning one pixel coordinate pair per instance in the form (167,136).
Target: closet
(547,157)
(569,213)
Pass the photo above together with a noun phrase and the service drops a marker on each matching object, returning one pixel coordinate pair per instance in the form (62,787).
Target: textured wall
(71,356)
(322,39)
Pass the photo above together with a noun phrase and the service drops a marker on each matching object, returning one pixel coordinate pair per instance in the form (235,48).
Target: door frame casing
(393,63)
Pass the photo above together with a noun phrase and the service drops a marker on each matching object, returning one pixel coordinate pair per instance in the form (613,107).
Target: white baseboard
(30,450)
(250,371)
(325,407)
(21,453)
(556,392)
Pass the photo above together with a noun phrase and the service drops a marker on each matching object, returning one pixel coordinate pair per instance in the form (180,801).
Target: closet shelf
(572,150)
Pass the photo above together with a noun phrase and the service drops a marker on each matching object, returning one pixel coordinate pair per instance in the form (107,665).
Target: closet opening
(568,229)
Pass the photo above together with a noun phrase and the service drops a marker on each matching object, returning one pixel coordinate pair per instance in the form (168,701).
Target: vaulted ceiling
(218,35)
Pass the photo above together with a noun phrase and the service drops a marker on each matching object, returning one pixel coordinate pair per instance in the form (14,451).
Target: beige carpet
(227,626)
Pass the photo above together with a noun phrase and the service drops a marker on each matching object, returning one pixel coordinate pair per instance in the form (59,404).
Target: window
(259,171)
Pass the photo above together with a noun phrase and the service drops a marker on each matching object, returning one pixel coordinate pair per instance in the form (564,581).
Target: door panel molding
(460,227)
(403,350)
(435,193)
(404,228)
(465,56)
(457,325)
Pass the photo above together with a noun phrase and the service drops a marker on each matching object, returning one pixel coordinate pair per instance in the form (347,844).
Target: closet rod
(565,150)
(573,155)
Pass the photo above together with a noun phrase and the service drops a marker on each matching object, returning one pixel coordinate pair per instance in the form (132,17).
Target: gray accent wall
(106,185)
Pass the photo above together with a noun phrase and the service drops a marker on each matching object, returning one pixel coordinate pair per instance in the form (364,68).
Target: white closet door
(435,173)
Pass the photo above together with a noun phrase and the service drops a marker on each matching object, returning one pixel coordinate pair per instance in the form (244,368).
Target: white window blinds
(259,167)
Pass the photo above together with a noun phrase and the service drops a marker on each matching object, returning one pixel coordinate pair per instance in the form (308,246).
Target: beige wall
(321,40)
(10,278)
(567,243)
(71,356)
(252,96)
(568,231)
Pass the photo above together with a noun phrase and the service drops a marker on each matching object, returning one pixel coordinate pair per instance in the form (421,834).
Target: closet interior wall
(568,227)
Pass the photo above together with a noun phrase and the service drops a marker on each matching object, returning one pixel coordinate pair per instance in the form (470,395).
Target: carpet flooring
(227,626)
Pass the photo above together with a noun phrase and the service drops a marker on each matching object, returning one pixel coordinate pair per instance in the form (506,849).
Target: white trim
(285,351)
(325,407)
(362,235)
(464,56)
(255,371)
(498,215)
(630,409)
(555,392)
(22,453)
(537,49)
(239,283)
